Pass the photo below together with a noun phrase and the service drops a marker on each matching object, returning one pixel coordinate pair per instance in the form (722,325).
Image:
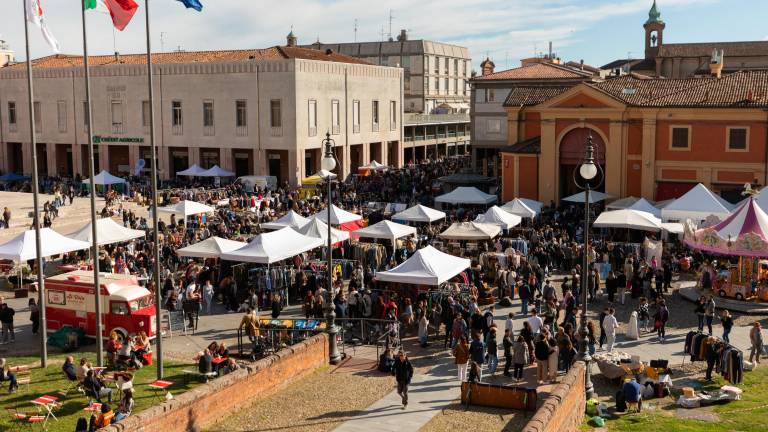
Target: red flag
(122,12)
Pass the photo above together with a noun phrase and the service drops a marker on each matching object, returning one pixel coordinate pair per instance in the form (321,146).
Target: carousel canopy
(594,196)
(466,195)
(697,204)
(108,231)
(385,230)
(428,266)
(212,247)
(290,219)
(419,213)
(496,216)
(216,171)
(273,246)
(318,229)
(105,178)
(629,219)
(23,247)
(519,208)
(186,208)
(471,231)
(338,216)
(743,233)
(194,170)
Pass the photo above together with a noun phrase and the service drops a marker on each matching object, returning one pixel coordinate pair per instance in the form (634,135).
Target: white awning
(630,219)
(338,216)
(186,208)
(290,219)
(104,178)
(519,208)
(385,230)
(318,229)
(273,246)
(697,204)
(23,247)
(212,247)
(194,170)
(466,195)
(496,216)
(419,213)
(428,266)
(471,231)
(108,231)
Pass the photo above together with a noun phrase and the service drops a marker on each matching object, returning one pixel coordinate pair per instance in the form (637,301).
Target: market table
(159,385)
(93,407)
(49,403)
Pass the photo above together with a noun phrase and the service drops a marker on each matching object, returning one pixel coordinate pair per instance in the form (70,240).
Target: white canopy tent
(318,229)
(373,166)
(338,216)
(273,246)
(518,208)
(629,219)
(622,203)
(427,266)
(194,170)
(697,204)
(672,227)
(496,216)
(385,230)
(419,213)
(645,206)
(105,178)
(466,195)
(216,171)
(108,232)
(22,247)
(533,204)
(186,208)
(594,196)
(290,219)
(471,231)
(212,247)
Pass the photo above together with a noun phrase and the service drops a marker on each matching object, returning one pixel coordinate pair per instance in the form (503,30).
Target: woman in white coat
(633,331)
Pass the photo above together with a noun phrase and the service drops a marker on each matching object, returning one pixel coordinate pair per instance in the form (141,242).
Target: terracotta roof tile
(533,95)
(732,49)
(273,53)
(537,71)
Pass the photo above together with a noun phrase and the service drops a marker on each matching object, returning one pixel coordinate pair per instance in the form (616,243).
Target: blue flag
(194,4)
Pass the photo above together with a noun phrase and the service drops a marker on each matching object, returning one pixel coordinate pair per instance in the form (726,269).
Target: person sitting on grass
(83,369)
(105,418)
(126,406)
(112,347)
(204,364)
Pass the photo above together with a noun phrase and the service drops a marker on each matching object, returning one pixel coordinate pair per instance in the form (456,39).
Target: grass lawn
(748,414)
(50,380)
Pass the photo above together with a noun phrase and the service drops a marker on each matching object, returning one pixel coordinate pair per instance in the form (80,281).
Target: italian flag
(121,11)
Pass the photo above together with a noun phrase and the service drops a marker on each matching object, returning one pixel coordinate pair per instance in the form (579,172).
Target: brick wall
(563,410)
(210,402)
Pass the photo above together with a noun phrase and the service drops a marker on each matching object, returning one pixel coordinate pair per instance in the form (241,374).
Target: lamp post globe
(588,171)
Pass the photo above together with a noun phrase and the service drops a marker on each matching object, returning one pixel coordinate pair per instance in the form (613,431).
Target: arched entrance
(572,146)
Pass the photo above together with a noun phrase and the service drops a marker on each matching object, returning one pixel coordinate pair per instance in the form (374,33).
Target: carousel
(743,234)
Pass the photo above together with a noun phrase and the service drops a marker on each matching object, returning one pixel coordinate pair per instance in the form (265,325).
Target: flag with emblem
(121,11)
(35,16)
(193,4)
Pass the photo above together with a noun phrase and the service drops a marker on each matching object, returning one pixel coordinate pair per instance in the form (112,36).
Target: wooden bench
(198,374)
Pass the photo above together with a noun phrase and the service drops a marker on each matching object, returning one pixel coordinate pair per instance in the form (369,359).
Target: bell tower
(654,32)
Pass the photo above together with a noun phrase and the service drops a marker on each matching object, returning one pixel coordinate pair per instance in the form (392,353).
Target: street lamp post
(327,165)
(589,176)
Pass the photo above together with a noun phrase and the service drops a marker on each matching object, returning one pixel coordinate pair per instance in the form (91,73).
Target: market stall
(338,216)
(427,266)
(186,208)
(419,213)
(192,171)
(386,230)
(290,219)
(212,247)
(628,219)
(519,208)
(470,231)
(466,195)
(316,228)
(216,171)
(697,204)
(107,231)
(496,216)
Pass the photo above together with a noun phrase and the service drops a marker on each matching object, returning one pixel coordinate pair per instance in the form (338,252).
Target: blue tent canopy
(12,177)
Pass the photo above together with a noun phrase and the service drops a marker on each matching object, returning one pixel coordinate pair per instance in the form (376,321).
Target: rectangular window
(12,113)
(464,68)
(437,65)
(494,126)
(145,113)
(356,116)
(335,117)
(241,113)
(208,113)
(681,137)
(38,116)
(85,113)
(738,138)
(61,111)
(312,116)
(447,60)
(392,115)
(117,116)
(176,113)
(455,66)
(445,85)
(456,88)
(436,80)
(490,95)
(375,115)
(275,113)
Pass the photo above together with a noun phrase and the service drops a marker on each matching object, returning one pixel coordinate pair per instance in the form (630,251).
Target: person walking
(541,352)
(7,217)
(492,349)
(756,339)
(662,316)
(507,344)
(600,319)
(208,296)
(477,353)
(6,318)
(403,371)
(727,321)
(34,315)
(519,358)
(709,313)
(700,311)
(461,356)
(609,329)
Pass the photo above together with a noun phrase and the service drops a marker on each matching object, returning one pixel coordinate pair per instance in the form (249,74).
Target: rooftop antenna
(382,33)
(162,41)
(629,62)
(355,29)
(391,17)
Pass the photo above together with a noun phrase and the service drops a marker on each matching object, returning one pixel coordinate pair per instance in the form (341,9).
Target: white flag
(35,16)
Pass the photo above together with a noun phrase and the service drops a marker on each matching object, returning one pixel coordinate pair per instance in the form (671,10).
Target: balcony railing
(276,131)
(416,119)
(241,131)
(117,128)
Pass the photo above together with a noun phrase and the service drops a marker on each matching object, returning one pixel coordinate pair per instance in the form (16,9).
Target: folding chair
(24,378)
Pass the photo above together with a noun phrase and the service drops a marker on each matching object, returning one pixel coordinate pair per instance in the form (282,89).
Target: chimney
(716,63)
(403,36)
(581,64)
(550,50)
(117,57)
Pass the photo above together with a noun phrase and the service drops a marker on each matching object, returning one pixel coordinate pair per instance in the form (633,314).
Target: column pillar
(77,159)
(366,154)
(260,162)
(295,166)
(103,158)
(133,156)
(346,164)
(193,154)
(50,149)
(227,157)
(648,160)
(549,162)
(614,160)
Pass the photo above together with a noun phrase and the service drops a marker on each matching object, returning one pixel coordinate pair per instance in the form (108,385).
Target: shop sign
(106,139)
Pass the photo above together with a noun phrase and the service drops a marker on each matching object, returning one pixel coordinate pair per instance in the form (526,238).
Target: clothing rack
(724,357)
(270,280)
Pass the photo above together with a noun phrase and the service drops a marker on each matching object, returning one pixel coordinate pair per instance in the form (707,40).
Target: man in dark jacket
(403,371)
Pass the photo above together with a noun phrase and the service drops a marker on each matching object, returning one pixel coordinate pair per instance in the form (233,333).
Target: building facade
(655,137)
(435,89)
(262,112)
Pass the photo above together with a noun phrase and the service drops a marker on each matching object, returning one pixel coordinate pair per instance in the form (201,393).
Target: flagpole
(35,203)
(91,170)
(156,251)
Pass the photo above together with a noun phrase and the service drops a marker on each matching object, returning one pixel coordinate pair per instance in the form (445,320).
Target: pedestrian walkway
(428,394)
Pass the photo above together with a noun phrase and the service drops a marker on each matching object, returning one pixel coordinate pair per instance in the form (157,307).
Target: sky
(597,31)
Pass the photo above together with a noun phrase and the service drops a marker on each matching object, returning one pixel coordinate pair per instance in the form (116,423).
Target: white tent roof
(627,218)
(104,178)
(533,204)
(471,231)
(338,216)
(108,231)
(216,171)
(419,213)
(428,266)
(594,196)
(186,208)
(290,219)
(496,216)
(194,170)
(519,208)
(385,230)
(672,227)
(318,229)
(661,204)
(212,247)
(761,199)
(273,246)
(645,206)
(375,166)
(22,247)
(622,203)
(697,204)
(466,195)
